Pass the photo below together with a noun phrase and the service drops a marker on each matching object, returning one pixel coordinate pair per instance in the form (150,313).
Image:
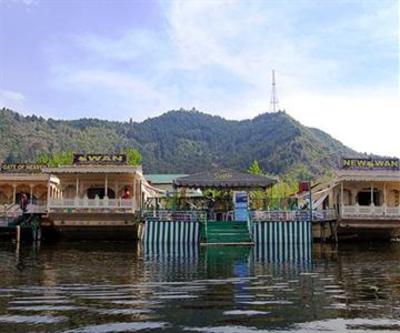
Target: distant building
(163,181)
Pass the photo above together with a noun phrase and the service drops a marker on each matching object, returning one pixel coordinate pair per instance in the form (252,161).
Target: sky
(336,61)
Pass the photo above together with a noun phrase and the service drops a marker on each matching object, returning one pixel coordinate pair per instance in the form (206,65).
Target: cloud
(27,3)
(217,56)
(116,82)
(11,99)
(364,120)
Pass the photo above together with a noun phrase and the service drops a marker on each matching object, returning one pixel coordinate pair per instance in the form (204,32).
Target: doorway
(100,192)
(364,198)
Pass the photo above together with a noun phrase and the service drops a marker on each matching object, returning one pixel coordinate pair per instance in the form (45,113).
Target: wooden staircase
(225,232)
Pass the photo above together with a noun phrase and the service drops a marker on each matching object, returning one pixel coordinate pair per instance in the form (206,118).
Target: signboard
(21,167)
(100,159)
(370,164)
(240,202)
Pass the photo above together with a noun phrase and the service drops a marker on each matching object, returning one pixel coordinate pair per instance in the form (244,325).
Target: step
(229,240)
(219,227)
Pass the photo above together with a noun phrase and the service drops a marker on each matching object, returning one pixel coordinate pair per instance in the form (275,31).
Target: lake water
(122,287)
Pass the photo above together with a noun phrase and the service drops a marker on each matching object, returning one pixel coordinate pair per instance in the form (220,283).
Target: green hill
(179,141)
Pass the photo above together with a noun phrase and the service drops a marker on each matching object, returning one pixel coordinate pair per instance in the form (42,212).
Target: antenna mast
(274,104)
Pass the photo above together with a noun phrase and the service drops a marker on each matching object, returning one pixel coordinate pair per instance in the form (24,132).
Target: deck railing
(255,215)
(372,211)
(296,215)
(170,215)
(86,203)
(37,207)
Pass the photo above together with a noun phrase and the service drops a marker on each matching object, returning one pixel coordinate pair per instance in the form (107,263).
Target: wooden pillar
(372,194)
(14,197)
(341,194)
(17,234)
(384,193)
(48,194)
(106,186)
(31,195)
(134,187)
(140,196)
(134,194)
(77,186)
(116,189)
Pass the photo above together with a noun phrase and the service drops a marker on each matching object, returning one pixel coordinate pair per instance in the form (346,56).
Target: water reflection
(124,287)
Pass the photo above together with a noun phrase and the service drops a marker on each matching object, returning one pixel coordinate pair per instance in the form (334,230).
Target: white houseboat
(366,195)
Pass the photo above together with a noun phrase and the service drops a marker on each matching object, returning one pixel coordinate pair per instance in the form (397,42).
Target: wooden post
(141,197)
(384,193)
(106,186)
(48,195)
(341,197)
(18,233)
(31,194)
(14,194)
(134,190)
(372,194)
(77,186)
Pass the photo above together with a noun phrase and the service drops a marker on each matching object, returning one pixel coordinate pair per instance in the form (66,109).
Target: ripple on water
(46,308)
(123,311)
(328,326)
(43,297)
(118,327)
(176,296)
(32,319)
(245,312)
(271,302)
(136,302)
(43,301)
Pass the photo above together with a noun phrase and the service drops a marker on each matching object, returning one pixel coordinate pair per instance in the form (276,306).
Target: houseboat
(97,196)
(366,196)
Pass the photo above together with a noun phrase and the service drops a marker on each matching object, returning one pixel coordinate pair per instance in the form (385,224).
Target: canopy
(225,179)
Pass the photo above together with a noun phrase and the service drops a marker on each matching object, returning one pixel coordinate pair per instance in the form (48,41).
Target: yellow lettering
(94,158)
(361,163)
(346,163)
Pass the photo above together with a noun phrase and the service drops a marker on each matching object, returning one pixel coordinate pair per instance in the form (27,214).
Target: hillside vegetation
(179,141)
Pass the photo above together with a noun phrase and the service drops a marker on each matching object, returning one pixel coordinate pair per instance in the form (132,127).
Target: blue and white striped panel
(282,232)
(166,260)
(171,250)
(300,253)
(171,232)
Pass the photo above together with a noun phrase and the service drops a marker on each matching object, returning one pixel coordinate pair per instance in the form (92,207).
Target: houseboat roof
(93,169)
(25,177)
(163,178)
(368,175)
(227,179)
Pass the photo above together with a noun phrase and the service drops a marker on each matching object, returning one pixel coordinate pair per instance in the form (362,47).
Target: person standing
(23,204)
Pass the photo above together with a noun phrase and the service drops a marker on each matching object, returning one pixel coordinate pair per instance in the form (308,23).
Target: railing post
(372,210)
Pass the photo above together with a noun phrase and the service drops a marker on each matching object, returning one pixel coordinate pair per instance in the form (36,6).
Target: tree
(57,159)
(255,168)
(133,156)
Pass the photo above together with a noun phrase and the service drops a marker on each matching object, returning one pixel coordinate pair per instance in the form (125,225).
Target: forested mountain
(179,141)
